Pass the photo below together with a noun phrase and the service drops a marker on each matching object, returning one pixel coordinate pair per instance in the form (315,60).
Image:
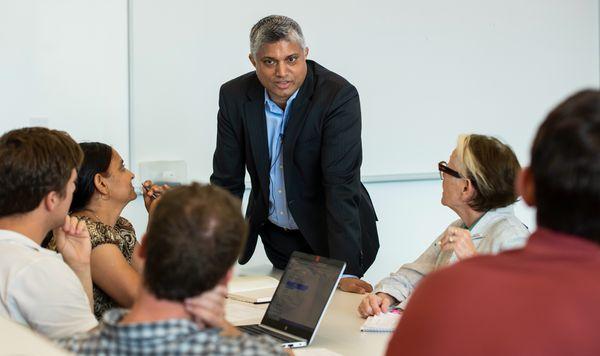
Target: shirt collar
(470,228)
(556,242)
(152,333)
(15,237)
(490,214)
(272,107)
(484,220)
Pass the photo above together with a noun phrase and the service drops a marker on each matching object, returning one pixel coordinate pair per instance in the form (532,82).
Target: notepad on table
(384,322)
(252,289)
(315,351)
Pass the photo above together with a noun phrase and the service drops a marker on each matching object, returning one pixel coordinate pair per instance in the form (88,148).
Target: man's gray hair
(274,28)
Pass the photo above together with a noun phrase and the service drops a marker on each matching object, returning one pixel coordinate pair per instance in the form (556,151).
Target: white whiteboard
(426,71)
(64,65)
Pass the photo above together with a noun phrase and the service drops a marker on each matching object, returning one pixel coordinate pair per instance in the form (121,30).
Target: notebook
(384,322)
(252,289)
(315,351)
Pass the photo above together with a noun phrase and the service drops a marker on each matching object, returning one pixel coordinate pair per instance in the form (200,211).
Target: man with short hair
(195,234)
(542,299)
(49,292)
(296,127)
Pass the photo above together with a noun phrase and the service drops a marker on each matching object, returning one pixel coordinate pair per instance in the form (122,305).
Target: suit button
(291,202)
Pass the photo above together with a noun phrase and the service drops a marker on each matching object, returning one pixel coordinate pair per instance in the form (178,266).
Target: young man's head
(564,178)
(38,168)
(194,236)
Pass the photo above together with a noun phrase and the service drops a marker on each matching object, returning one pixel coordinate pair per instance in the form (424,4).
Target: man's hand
(208,310)
(152,192)
(374,304)
(458,240)
(73,242)
(355,285)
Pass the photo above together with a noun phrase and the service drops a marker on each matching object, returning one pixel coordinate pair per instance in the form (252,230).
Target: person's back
(172,336)
(539,300)
(194,236)
(39,287)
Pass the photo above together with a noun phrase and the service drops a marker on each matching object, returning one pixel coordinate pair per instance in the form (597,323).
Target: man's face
(281,68)
(65,201)
(70,189)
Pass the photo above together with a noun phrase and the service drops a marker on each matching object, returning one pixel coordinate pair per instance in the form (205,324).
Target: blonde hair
(491,166)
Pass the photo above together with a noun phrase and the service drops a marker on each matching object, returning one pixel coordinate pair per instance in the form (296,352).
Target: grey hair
(274,28)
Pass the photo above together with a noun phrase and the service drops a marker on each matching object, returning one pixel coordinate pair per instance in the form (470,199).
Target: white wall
(425,70)
(63,64)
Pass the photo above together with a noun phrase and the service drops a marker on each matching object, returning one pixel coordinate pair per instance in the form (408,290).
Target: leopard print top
(123,236)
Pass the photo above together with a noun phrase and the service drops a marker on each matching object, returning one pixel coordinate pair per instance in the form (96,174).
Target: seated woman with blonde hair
(104,188)
(478,185)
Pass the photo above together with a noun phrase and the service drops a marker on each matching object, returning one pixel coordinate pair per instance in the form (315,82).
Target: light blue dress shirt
(277,118)
(279,214)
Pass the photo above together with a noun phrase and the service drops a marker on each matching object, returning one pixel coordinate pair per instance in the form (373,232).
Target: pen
(147,189)
(395,309)
(474,237)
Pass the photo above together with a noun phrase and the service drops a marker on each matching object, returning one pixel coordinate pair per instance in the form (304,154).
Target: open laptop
(300,300)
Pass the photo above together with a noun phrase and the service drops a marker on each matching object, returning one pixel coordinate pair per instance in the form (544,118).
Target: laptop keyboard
(257,330)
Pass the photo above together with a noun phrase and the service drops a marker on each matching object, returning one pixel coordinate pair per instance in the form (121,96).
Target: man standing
(542,299)
(296,126)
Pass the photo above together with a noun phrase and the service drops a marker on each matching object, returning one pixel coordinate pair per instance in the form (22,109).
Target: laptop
(300,300)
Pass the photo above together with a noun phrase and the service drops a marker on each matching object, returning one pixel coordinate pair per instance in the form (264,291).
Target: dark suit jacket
(322,155)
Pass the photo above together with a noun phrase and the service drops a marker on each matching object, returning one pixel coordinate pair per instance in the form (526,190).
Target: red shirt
(543,299)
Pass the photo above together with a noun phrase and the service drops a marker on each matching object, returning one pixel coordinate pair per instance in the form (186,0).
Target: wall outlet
(163,172)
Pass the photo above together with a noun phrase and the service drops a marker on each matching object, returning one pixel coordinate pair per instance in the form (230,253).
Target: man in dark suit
(296,126)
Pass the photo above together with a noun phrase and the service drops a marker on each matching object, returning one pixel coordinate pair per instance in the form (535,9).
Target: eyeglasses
(443,168)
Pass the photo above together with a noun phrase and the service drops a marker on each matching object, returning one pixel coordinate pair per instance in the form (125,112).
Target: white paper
(384,322)
(250,283)
(239,313)
(315,352)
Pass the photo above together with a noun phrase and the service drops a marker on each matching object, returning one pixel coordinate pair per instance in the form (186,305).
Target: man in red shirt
(545,298)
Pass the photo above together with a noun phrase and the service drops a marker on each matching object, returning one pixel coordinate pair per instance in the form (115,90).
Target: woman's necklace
(94,215)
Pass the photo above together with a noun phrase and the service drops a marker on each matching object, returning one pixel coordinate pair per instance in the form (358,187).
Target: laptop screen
(303,293)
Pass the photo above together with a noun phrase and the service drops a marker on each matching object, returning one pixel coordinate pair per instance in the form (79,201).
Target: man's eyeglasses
(443,168)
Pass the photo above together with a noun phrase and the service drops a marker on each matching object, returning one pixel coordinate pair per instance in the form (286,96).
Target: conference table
(339,330)
(18,340)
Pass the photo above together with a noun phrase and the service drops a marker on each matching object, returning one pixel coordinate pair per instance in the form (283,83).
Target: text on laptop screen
(303,292)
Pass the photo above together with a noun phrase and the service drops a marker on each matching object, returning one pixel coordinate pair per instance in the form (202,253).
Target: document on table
(319,351)
(252,289)
(239,313)
(384,322)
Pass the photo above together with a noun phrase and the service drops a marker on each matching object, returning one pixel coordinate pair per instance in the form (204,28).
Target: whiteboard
(64,65)
(426,71)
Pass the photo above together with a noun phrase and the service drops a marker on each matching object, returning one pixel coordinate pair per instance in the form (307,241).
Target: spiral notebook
(384,322)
